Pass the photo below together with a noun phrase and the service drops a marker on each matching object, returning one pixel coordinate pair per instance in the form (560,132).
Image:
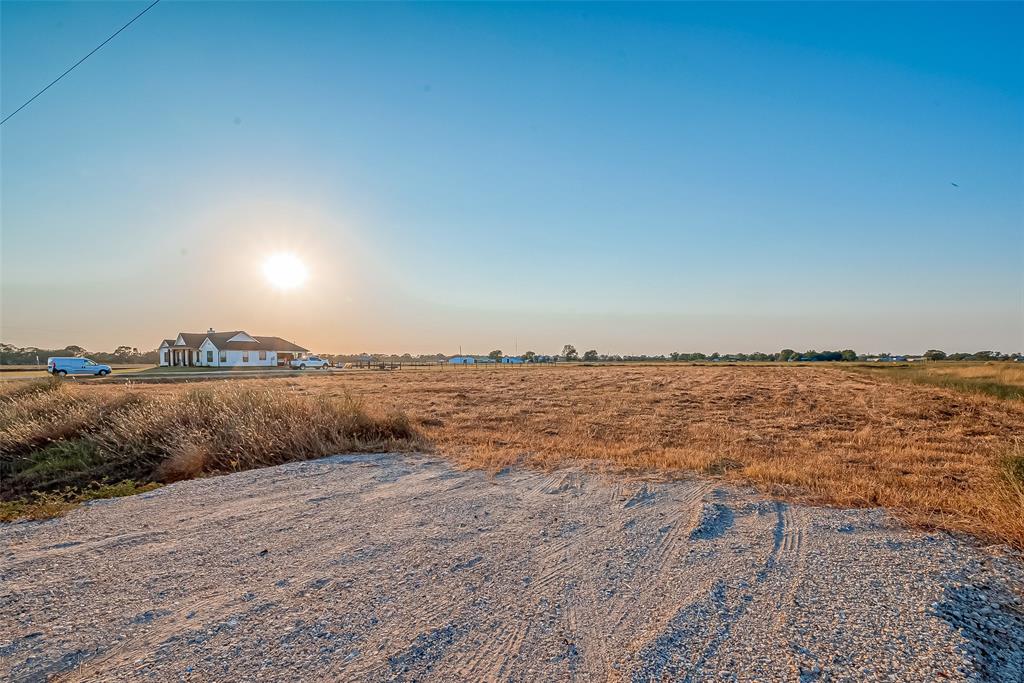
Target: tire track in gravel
(562,560)
(371,568)
(206,607)
(677,521)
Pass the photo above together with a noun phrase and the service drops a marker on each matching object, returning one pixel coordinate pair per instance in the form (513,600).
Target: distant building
(227,349)
(462,360)
(511,359)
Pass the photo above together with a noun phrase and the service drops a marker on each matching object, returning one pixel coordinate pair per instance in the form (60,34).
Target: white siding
(202,355)
(204,351)
(235,359)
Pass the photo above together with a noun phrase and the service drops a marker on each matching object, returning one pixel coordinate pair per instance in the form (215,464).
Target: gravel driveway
(398,567)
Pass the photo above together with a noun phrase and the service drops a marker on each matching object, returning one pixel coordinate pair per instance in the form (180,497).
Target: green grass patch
(1013,469)
(921,375)
(176,369)
(50,504)
(56,461)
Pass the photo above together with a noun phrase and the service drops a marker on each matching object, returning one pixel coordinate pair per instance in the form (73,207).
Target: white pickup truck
(311,362)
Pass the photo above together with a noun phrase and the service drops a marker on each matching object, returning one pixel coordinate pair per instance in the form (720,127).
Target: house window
(209,356)
(245,356)
(223,356)
(263,355)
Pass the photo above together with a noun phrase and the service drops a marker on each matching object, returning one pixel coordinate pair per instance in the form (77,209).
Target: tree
(787,354)
(848,354)
(529,356)
(590,355)
(569,352)
(935,354)
(496,355)
(125,351)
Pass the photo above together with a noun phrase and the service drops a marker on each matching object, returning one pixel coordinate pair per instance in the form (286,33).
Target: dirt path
(401,568)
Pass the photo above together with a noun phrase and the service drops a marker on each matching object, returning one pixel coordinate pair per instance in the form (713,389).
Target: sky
(636,179)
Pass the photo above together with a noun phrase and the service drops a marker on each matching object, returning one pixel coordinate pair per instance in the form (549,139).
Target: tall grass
(1003,380)
(817,434)
(53,437)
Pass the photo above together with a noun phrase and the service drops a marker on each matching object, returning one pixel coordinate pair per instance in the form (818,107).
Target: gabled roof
(192,339)
(222,342)
(167,342)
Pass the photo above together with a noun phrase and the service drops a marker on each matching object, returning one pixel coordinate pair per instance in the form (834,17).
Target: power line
(72,68)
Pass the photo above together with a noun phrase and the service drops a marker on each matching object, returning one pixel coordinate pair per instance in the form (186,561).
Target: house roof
(220,341)
(278,344)
(168,342)
(192,339)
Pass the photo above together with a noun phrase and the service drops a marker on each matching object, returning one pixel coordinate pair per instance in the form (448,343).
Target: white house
(227,349)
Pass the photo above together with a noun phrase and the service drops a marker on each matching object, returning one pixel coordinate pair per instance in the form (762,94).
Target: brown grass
(55,436)
(818,434)
(938,457)
(1002,372)
(1000,379)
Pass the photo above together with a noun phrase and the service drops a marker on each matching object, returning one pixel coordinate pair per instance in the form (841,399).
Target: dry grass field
(1000,379)
(937,456)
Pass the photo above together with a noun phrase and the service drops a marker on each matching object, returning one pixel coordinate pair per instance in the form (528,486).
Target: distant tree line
(569,353)
(29,355)
(935,354)
(676,356)
(14,355)
(385,357)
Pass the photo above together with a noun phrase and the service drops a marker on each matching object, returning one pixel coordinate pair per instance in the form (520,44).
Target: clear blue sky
(630,178)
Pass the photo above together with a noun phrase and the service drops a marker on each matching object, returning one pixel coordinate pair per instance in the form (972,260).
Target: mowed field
(938,457)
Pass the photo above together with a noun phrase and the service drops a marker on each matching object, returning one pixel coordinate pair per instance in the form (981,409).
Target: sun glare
(285,271)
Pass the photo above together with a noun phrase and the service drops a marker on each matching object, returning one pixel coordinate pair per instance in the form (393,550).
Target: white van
(75,366)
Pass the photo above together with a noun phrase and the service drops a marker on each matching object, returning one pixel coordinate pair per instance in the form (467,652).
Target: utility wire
(151,6)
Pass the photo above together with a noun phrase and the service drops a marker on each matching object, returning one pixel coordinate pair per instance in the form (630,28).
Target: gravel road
(398,567)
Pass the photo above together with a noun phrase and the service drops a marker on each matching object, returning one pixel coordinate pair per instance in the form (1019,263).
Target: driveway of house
(399,567)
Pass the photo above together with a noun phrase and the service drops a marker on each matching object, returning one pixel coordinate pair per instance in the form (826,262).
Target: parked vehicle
(311,362)
(56,365)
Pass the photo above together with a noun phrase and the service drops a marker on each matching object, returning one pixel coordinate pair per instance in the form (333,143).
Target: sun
(284,270)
